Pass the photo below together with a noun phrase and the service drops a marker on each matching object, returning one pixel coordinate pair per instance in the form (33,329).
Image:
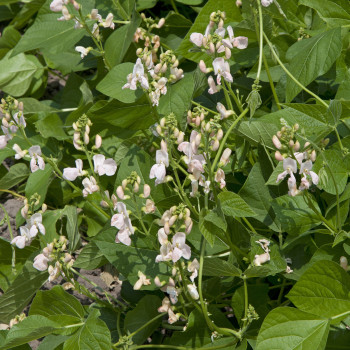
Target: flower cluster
(34,223)
(55,254)
(292,159)
(217,42)
(151,72)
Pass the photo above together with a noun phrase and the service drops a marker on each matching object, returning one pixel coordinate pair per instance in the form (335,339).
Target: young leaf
(18,173)
(233,205)
(218,267)
(288,328)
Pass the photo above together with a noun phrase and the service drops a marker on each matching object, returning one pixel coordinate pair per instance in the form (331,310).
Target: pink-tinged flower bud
(202,66)
(77,145)
(43,207)
(225,156)
(220,134)
(306,145)
(344,263)
(98,141)
(104,204)
(181,136)
(161,23)
(291,143)
(24,211)
(239,3)
(5,123)
(227,53)
(198,120)
(296,146)
(221,23)
(75,127)
(157,68)
(276,142)
(163,146)
(20,106)
(136,187)
(157,282)
(216,145)
(164,68)
(313,156)
(76,136)
(198,139)
(120,192)
(176,132)
(174,272)
(172,220)
(211,48)
(146,191)
(278,156)
(76,5)
(167,227)
(86,138)
(188,224)
(124,183)
(296,127)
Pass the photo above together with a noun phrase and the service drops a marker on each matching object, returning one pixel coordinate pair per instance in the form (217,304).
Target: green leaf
(335,12)
(312,58)
(211,225)
(294,214)
(338,166)
(111,85)
(259,198)
(119,41)
(51,126)
(145,310)
(136,116)
(334,112)
(52,342)
(31,328)
(17,74)
(287,328)
(233,205)
(18,173)
(38,182)
(70,212)
(94,334)
(324,290)
(21,291)
(54,302)
(90,257)
(178,99)
(232,15)
(219,267)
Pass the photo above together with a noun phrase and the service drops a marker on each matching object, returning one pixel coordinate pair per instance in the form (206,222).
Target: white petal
(110,166)
(197,39)
(70,174)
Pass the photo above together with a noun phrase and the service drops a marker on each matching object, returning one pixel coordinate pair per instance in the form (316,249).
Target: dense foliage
(199,148)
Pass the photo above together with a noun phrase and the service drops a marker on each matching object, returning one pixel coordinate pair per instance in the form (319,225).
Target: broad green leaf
(21,291)
(219,267)
(291,329)
(135,116)
(31,328)
(335,12)
(38,182)
(90,257)
(119,41)
(52,342)
(338,167)
(324,290)
(54,302)
(145,310)
(112,84)
(129,260)
(211,225)
(18,173)
(334,112)
(178,99)
(233,205)
(94,334)
(294,214)
(17,74)
(51,126)
(312,58)
(70,212)
(10,37)
(232,15)
(190,2)
(259,198)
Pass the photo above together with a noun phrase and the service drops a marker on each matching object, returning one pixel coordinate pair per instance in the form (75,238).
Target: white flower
(54,271)
(170,289)
(150,207)
(95,15)
(292,186)
(56,5)
(222,69)
(180,248)
(224,113)
(172,316)
(83,51)
(36,162)
(193,267)
(108,23)
(225,157)
(266,3)
(3,141)
(178,73)
(220,178)
(305,169)
(20,121)
(138,75)
(24,239)
(71,174)
(261,259)
(194,191)
(123,223)
(197,39)
(158,170)
(213,89)
(241,42)
(19,152)
(142,281)
(40,262)
(264,243)
(65,15)
(35,224)
(90,186)
(104,166)
(289,167)
(165,305)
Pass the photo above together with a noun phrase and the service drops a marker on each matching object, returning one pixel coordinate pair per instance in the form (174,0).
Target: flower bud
(276,142)
(344,263)
(219,134)
(157,282)
(136,187)
(291,143)
(176,132)
(43,207)
(98,141)
(211,48)
(202,66)
(296,146)
(76,136)
(225,156)
(167,227)
(296,127)
(198,139)
(278,156)
(146,191)
(172,220)
(192,289)
(313,156)
(216,144)
(125,183)
(104,204)
(164,68)
(159,129)
(161,23)
(120,192)
(86,138)
(181,136)
(306,145)
(87,129)
(150,207)
(227,53)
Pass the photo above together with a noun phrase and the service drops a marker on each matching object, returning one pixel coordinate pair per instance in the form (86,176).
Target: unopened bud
(296,146)
(344,263)
(87,129)
(198,139)
(296,127)
(161,23)
(313,156)
(164,68)
(278,156)
(306,145)
(211,48)
(136,187)
(86,138)
(120,192)
(202,66)
(216,144)
(75,127)
(181,136)
(159,129)
(146,191)
(98,141)
(227,53)
(43,207)
(276,142)
(172,220)
(125,183)
(220,134)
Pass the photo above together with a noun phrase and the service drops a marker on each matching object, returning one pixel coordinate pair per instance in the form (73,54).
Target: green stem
(227,96)
(223,142)
(261,42)
(291,75)
(155,346)
(246,305)
(207,109)
(147,324)
(238,102)
(174,6)
(272,85)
